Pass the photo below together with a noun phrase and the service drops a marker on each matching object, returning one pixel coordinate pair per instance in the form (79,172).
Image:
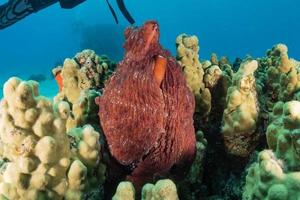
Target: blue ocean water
(233,28)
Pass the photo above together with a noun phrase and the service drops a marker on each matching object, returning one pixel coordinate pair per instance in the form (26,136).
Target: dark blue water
(233,28)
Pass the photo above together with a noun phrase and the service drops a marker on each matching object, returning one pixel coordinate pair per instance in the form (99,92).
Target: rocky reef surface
(154,127)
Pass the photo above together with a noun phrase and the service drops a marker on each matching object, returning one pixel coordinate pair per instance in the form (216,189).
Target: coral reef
(276,174)
(79,78)
(94,69)
(83,110)
(187,55)
(280,76)
(147,121)
(163,190)
(222,174)
(268,179)
(141,119)
(86,71)
(190,186)
(125,191)
(212,75)
(252,92)
(39,160)
(283,133)
(241,113)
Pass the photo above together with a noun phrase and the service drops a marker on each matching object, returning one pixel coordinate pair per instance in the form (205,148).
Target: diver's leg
(15,10)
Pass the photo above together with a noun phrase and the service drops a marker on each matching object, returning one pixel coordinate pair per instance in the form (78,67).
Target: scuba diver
(15,10)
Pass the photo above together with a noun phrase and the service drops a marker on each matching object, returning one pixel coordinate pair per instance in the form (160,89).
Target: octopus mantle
(148,126)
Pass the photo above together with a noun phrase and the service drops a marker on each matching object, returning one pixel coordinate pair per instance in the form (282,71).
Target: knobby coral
(146,110)
(241,113)
(86,70)
(283,133)
(163,190)
(187,55)
(38,159)
(276,174)
(268,179)
(78,80)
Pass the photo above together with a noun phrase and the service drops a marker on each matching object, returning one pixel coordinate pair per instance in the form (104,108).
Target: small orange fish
(59,80)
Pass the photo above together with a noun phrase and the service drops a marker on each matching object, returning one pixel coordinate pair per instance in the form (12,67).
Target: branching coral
(39,159)
(241,113)
(148,126)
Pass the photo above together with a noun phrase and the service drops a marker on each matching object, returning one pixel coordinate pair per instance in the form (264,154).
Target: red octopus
(146,110)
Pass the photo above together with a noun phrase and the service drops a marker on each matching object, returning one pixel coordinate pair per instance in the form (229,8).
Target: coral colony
(154,127)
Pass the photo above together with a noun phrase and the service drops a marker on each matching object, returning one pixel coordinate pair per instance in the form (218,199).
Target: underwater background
(233,28)
(219,123)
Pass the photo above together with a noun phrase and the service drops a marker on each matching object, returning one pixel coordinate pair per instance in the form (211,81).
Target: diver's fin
(125,12)
(112,12)
(160,68)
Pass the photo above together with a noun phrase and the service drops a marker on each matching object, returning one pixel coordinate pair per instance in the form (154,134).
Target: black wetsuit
(15,10)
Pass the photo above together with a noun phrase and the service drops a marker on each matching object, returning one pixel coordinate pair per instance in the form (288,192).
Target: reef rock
(146,110)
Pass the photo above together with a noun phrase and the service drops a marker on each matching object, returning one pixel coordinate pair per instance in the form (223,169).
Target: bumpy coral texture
(125,191)
(240,115)
(164,189)
(38,161)
(148,126)
(280,76)
(86,70)
(79,79)
(283,133)
(276,174)
(268,179)
(187,55)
